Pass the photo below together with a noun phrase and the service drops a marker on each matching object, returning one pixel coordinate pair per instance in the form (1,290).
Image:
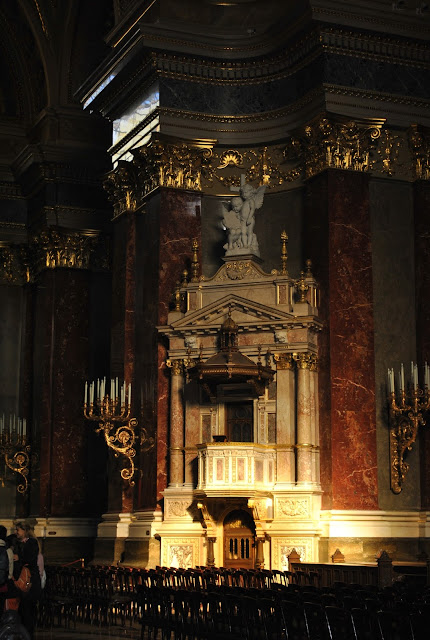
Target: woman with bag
(28,556)
(13,595)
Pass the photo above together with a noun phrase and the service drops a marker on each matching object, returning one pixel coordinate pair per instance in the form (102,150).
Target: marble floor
(89,632)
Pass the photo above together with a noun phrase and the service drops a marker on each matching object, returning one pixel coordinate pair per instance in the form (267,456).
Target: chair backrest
(339,622)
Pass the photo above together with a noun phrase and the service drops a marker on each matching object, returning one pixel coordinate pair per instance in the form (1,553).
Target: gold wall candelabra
(15,449)
(110,406)
(407,405)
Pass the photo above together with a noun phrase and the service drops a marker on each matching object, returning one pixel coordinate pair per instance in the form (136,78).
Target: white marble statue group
(239,221)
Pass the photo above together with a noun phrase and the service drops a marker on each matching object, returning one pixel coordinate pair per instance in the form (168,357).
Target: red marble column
(338,241)
(422,296)
(164,248)
(61,366)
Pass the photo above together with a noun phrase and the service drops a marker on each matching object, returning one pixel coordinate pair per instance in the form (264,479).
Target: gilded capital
(176,366)
(326,143)
(284,361)
(305,360)
(14,263)
(419,144)
(54,248)
(121,186)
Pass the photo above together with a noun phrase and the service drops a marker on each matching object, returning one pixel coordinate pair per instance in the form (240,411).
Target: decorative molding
(282,547)
(292,508)
(180,552)
(375,47)
(177,508)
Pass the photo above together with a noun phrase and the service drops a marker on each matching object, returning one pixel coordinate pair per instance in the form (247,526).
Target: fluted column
(285,419)
(305,442)
(176,424)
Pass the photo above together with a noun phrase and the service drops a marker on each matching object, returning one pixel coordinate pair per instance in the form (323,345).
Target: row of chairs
(222,615)
(212,603)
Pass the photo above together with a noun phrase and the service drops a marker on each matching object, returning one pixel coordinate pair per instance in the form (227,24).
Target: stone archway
(239,540)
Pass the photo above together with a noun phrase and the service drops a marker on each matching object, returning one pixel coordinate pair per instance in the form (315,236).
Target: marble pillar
(337,236)
(176,448)
(165,230)
(59,430)
(285,420)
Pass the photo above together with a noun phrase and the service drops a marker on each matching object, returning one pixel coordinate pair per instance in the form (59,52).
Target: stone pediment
(247,314)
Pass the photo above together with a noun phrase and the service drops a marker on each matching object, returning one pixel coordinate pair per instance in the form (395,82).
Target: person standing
(4,568)
(28,556)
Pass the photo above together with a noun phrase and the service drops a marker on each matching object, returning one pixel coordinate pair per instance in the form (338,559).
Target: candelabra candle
(406,415)
(110,410)
(14,448)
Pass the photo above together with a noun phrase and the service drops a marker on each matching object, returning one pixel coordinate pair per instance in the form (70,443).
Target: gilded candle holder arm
(111,409)
(407,404)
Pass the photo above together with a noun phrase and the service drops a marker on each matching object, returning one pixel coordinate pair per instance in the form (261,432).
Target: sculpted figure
(239,221)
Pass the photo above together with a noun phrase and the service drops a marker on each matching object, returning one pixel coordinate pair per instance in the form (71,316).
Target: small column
(210,555)
(176,424)
(259,560)
(314,417)
(305,444)
(285,419)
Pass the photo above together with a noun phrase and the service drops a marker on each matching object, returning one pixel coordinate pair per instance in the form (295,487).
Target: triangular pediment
(246,313)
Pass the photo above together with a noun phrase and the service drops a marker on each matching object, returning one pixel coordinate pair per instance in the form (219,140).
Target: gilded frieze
(366,146)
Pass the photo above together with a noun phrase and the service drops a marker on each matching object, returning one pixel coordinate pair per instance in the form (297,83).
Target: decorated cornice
(365,146)
(232,72)
(301,53)
(375,47)
(51,249)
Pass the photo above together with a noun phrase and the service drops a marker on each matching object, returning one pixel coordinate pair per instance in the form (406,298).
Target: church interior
(215,279)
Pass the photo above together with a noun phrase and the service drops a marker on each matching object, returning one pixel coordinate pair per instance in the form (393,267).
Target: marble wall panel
(422,284)
(354,471)
(338,239)
(391,207)
(164,238)
(62,319)
(387,77)
(12,309)
(239,99)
